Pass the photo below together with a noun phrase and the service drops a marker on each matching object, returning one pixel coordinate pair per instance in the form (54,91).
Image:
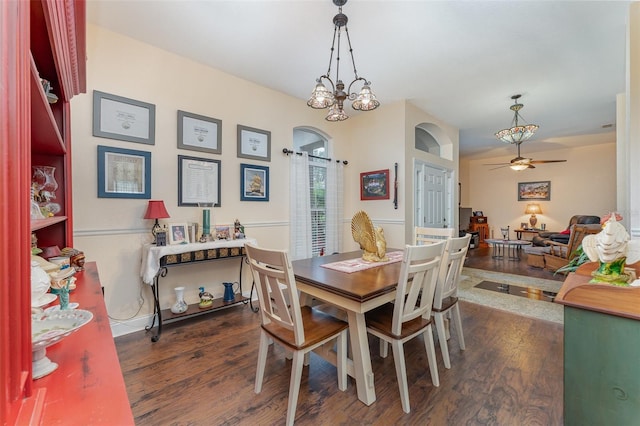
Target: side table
(513,248)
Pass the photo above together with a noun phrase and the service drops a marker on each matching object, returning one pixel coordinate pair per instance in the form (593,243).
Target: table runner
(355,265)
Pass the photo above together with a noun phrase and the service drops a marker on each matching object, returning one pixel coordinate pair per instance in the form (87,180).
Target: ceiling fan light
(519,167)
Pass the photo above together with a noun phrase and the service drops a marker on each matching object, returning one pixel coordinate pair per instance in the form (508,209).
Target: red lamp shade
(156,210)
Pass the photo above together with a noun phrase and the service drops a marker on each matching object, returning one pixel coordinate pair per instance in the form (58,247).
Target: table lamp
(156,210)
(533,209)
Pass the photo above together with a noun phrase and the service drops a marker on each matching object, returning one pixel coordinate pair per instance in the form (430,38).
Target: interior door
(433,197)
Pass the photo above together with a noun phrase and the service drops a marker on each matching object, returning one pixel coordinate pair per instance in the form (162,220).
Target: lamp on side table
(156,210)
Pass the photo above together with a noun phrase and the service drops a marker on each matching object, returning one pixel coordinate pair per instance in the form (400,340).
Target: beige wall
(585,184)
(112,231)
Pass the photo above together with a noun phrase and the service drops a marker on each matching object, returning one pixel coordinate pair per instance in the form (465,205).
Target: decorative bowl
(48,329)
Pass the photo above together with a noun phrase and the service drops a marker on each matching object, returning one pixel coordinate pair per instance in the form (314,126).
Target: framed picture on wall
(199,133)
(123,173)
(534,191)
(374,185)
(117,117)
(254,144)
(198,181)
(254,183)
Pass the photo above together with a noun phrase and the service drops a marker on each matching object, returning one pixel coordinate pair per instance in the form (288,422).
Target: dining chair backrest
(452,263)
(277,291)
(417,282)
(422,235)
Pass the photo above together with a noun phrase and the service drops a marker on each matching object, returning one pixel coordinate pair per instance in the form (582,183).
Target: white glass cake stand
(49,329)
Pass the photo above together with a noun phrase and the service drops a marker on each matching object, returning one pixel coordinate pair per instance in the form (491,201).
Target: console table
(156,261)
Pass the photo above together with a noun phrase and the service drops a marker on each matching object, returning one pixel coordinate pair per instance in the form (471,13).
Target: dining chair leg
(384,348)
(458,323)
(294,386)
(401,374)
(342,361)
(265,341)
(439,318)
(431,355)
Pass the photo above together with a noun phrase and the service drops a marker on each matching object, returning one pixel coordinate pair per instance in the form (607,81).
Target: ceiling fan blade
(496,168)
(547,161)
(497,164)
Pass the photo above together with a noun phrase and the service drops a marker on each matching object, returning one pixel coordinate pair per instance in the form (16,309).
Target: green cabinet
(601,353)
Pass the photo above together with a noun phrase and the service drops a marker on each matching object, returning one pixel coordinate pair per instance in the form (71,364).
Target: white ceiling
(458,60)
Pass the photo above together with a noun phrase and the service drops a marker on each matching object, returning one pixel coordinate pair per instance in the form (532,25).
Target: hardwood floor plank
(202,372)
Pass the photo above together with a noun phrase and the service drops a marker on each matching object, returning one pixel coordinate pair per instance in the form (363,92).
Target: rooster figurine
(613,248)
(371,239)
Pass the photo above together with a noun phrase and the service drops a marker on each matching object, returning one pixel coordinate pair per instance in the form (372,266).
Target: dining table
(356,293)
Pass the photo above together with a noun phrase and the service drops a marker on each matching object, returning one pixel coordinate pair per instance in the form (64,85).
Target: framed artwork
(123,173)
(178,233)
(254,144)
(198,181)
(374,185)
(115,117)
(222,232)
(199,133)
(534,191)
(254,183)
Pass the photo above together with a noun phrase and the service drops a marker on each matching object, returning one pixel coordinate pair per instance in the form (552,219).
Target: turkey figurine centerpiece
(613,248)
(370,238)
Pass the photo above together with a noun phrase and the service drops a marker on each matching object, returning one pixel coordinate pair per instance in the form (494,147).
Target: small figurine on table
(238,230)
(206,299)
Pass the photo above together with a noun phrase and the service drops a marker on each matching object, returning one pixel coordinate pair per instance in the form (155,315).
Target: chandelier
(321,97)
(517,133)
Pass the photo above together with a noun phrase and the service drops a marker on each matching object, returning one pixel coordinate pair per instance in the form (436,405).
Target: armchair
(544,238)
(560,254)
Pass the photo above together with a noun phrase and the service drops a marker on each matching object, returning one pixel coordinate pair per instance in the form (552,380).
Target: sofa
(544,239)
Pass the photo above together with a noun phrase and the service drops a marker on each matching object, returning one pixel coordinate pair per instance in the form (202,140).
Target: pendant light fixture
(321,97)
(517,133)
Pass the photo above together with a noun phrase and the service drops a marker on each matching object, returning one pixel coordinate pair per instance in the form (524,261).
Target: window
(315,145)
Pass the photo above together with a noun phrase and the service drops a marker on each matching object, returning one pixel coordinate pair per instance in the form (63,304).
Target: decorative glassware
(180,306)
(44,186)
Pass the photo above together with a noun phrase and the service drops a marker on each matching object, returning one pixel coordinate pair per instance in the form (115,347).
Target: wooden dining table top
(359,286)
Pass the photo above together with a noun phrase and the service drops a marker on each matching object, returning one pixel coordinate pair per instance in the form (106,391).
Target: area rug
(518,305)
(354,265)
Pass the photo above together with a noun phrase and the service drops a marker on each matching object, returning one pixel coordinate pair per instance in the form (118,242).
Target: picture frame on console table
(540,190)
(198,181)
(120,118)
(199,133)
(178,233)
(123,173)
(374,185)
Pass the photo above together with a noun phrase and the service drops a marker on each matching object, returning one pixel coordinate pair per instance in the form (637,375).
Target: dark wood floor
(480,258)
(201,372)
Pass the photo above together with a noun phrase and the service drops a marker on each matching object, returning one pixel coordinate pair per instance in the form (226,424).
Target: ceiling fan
(521,163)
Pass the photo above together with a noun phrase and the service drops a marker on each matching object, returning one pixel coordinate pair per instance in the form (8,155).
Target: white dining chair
(445,302)
(297,329)
(422,235)
(410,314)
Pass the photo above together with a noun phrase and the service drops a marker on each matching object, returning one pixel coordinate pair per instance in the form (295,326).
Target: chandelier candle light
(533,209)
(517,133)
(321,97)
(156,210)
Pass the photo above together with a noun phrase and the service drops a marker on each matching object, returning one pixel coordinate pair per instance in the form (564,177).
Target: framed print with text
(198,181)
(374,185)
(199,133)
(116,117)
(534,191)
(254,183)
(123,173)
(254,144)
